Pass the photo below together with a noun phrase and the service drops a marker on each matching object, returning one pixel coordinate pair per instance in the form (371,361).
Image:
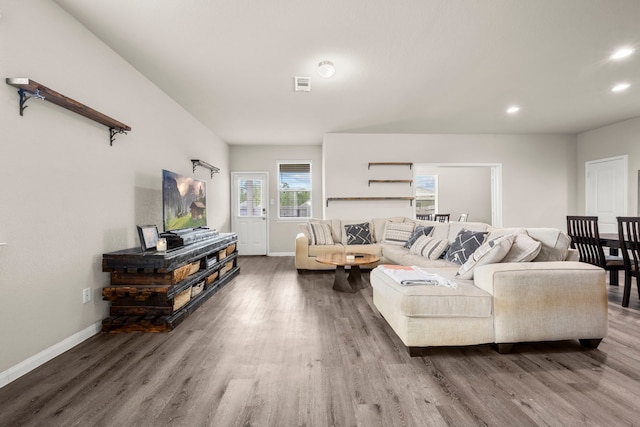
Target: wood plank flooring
(275,348)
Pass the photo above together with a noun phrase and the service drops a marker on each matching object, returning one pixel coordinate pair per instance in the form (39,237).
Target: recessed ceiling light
(513,109)
(623,52)
(620,87)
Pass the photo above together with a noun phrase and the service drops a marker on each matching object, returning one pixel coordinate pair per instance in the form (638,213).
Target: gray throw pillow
(358,234)
(465,244)
(420,230)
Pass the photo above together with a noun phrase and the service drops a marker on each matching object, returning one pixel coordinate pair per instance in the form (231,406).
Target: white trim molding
(47,354)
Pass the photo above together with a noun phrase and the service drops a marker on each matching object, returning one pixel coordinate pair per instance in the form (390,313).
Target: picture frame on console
(148,237)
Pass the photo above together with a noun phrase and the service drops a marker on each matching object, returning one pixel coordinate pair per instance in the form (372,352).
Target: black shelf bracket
(213,169)
(112,134)
(24,96)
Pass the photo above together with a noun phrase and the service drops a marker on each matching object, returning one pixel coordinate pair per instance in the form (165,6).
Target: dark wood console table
(155,291)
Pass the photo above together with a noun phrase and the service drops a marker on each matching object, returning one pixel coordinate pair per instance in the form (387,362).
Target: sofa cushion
(358,234)
(429,247)
(316,250)
(490,252)
(320,234)
(420,230)
(555,243)
(372,249)
(466,300)
(465,243)
(523,249)
(397,233)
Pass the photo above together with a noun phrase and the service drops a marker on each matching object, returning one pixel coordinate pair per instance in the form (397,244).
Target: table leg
(355,277)
(341,283)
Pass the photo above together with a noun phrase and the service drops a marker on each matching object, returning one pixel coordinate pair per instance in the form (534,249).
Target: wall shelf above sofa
(390,164)
(358,199)
(394,181)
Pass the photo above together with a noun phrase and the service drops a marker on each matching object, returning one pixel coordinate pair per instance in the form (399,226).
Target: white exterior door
(606,191)
(249,211)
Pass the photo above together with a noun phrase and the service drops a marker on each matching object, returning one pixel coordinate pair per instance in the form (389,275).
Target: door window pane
(250,191)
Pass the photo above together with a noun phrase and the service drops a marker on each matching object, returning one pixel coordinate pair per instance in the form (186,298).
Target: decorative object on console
(148,237)
(184,201)
(465,243)
(27,86)
(161,246)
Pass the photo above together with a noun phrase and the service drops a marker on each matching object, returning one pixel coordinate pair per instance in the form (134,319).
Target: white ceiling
(403,66)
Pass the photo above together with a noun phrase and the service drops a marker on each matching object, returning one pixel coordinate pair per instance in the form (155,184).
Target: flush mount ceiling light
(326,69)
(514,109)
(620,87)
(621,53)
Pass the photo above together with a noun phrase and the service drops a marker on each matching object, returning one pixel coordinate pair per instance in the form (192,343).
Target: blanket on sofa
(413,275)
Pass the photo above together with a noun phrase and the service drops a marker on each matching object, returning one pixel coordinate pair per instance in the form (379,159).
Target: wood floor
(275,348)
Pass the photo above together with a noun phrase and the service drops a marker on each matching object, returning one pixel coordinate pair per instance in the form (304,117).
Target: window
(294,190)
(426,195)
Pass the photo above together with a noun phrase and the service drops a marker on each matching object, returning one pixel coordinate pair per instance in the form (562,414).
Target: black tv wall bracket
(213,169)
(28,89)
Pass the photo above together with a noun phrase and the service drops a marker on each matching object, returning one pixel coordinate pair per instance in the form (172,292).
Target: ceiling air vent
(302,84)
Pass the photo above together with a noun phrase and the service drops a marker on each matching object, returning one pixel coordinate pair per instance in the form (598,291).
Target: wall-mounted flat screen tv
(184,201)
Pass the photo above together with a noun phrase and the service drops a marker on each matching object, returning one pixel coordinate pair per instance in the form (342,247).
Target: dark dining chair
(585,237)
(629,236)
(441,217)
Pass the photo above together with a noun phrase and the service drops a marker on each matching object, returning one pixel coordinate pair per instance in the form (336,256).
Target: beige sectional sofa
(551,297)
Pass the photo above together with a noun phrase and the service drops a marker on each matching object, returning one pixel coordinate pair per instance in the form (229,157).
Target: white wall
(462,190)
(66,195)
(259,158)
(610,141)
(538,172)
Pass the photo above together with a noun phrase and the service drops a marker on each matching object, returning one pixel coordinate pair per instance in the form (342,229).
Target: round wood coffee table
(342,283)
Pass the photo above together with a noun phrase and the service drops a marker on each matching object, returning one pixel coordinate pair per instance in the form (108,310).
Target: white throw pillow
(429,247)
(397,233)
(490,252)
(320,234)
(524,249)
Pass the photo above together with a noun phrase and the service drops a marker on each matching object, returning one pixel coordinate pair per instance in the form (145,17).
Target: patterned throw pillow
(429,247)
(465,243)
(358,234)
(420,230)
(397,233)
(490,252)
(320,234)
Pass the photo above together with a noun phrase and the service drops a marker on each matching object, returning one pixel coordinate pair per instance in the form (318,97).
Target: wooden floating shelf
(394,181)
(358,199)
(39,91)
(390,164)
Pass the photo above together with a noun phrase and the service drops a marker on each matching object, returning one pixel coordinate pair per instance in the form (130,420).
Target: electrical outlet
(86,295)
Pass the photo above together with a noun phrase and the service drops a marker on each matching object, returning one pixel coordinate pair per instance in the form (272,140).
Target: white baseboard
(282,254)
(47,354)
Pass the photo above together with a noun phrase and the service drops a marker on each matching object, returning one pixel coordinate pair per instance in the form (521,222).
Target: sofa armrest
(538,301)
(302,245)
